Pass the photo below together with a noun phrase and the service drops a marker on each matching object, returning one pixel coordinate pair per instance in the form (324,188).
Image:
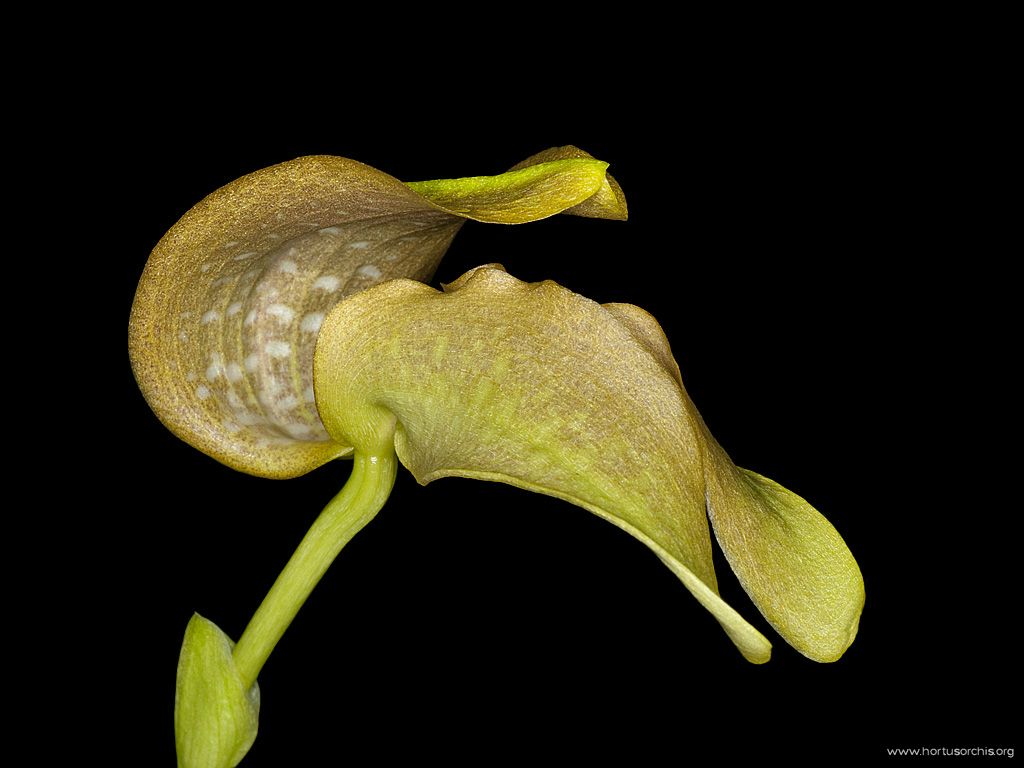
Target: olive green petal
(790,560)
(228,308)
(530,385)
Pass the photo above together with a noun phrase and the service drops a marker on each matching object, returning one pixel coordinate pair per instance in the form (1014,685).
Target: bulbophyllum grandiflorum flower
(284,322)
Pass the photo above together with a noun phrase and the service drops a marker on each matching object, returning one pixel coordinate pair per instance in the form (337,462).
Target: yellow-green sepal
(215,715)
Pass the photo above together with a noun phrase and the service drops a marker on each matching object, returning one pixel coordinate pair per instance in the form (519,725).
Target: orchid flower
(285,321)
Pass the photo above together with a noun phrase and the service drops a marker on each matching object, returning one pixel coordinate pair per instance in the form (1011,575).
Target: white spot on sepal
(250,318)
(182,336)
(246,255)
(230,244)
(267,289)
(370,271)
(311,323)
(289,266)
(327,283)
(300,431)
(210,316)
(330,231)
(278,349)
(234,309)
(202,392)
(250,419)
(252,362)
(205,266)
(281,312)
(289,402)
(232,427)
(233,371)
(359,245)
(309,395)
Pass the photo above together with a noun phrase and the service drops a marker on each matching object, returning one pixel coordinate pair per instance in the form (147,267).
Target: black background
(782,232)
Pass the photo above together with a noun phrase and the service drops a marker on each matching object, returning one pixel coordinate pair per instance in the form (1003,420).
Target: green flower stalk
(285,322)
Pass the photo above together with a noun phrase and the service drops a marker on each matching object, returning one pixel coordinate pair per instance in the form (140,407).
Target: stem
(367,489)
